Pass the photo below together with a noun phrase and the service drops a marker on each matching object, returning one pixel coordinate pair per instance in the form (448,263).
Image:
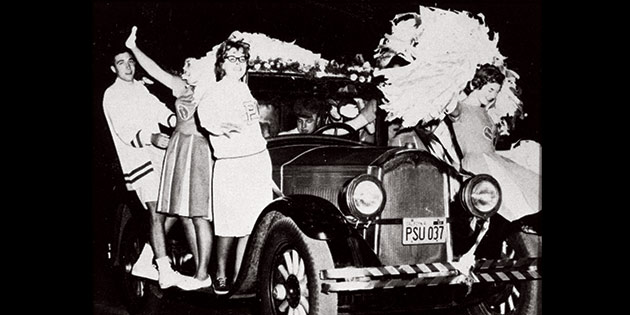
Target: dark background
(170,31)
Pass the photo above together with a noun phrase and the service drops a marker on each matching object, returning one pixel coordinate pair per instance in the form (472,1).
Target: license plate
(423,230)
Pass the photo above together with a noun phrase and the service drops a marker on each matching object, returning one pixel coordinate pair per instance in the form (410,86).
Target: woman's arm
(365,117)
(212,121)
(455,113)
(171,81)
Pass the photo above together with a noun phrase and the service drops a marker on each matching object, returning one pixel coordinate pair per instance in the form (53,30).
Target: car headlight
(365,196)
(481,195)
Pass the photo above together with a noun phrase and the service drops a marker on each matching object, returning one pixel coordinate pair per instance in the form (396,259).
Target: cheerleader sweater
(232,102)
(133,114)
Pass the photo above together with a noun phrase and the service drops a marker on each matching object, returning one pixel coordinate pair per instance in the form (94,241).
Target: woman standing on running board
(185,185)
(242,184)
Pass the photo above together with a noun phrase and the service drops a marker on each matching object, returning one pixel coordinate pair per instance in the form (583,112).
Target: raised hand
(131,40)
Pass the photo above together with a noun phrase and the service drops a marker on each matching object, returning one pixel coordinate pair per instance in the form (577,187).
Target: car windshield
(293,106)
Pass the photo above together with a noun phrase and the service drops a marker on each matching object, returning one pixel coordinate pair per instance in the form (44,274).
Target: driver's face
(307,124)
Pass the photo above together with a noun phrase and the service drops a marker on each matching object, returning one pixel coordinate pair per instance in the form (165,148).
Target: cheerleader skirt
(520,187)
(241,190)
(185,187)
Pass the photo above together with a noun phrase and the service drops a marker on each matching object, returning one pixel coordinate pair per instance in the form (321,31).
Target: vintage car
(366,226)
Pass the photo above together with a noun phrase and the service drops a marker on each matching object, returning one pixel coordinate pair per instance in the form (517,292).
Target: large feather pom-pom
(507,103)
(443,58)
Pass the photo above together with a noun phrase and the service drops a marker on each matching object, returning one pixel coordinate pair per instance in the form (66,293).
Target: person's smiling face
(124,66)
(235,63)
(489,93)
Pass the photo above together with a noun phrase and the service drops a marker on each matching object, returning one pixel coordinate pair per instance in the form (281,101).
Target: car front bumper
(349,279)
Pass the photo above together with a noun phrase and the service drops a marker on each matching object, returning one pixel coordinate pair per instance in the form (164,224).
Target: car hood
(334,155)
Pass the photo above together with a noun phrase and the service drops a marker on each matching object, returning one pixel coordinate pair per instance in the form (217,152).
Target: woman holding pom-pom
(476,132)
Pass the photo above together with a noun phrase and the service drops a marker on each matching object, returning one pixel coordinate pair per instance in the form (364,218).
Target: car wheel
(288,280)
(520,298)
(135,291)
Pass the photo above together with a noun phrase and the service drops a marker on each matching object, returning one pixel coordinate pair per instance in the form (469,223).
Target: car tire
(282,285)
(520,298)
(135,291)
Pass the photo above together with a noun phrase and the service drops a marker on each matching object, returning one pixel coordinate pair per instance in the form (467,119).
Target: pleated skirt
(185,186)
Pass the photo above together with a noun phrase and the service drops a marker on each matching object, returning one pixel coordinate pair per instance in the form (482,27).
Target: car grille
(415,188)
(322,181)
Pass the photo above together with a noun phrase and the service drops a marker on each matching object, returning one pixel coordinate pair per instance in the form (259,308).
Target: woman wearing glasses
(242,171)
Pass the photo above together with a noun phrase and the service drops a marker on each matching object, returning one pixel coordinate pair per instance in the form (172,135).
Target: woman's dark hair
(222,53)
(485,74)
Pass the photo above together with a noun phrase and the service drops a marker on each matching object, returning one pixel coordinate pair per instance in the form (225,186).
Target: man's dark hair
(307,106)
(115,52)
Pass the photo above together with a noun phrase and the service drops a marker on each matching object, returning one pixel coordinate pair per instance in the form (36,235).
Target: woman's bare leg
(191,237)
(241,245)
(224,244)
(158,234)
(203,230)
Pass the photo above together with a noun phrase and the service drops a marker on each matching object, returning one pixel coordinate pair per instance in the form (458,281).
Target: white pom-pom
(443,51)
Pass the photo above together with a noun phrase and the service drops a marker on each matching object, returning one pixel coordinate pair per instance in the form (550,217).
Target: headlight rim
(349,201)
(466,195)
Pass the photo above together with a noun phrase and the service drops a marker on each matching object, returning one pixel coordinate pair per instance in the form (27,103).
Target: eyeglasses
(233,59)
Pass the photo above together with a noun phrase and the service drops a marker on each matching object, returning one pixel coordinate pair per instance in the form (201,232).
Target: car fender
(501,228)
(127,211)
(530,224)
(317,218)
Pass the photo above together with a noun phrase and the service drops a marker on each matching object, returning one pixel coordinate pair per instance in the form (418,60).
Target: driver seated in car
(312,114)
